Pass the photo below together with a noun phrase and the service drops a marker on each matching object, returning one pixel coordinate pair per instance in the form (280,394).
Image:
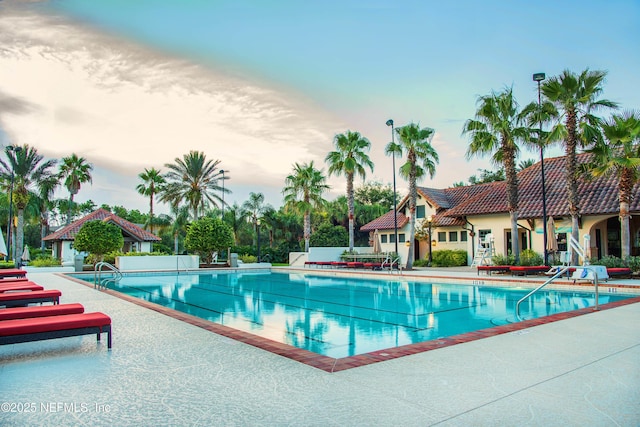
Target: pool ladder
(97,274)
(554,277)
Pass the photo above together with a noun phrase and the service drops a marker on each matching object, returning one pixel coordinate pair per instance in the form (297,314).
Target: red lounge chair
(528,269)
(44,328)
(40,311)
(4,280)
(493,268)
(355,264)
(12,272)
(24,285)
(339,264)
(373,265)
(17,299)
(618,271)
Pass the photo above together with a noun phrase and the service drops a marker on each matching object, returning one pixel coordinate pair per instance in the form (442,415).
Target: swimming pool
(343,316)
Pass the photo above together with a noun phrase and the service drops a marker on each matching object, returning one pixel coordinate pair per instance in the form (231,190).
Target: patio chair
(43,328)
(21,299)
(23,285)
(40,311)
(12,272)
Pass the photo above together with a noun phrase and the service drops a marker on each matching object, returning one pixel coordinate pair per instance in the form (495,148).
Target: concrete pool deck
(161,371)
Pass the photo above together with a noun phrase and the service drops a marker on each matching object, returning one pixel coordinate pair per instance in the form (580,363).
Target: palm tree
(75,171)
(235,217)
(152,182)
(575,96)
(350,158)
(29,170)
(255,208)
(619,154)
(193,179)
(46,188)
(303,191)
(421,159)
(523,164)
(496,130)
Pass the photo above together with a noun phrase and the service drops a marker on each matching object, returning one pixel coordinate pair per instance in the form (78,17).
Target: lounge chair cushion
(24,298)
(24,285)
(53,323)
(40,311)
(12,272)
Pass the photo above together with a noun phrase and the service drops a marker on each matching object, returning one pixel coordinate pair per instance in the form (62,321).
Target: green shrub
(503,260)
(609,261)
(248,259)
(634,263)
(7,264)
(530,257)
(45,262)
(449,258)
(421,263)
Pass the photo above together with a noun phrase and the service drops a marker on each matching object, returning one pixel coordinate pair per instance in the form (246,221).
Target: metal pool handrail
(555,276)
(97,270)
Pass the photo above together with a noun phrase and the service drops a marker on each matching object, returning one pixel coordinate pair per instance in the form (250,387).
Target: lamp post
(10,222)
(429,222)
(222,173)
(538,77)
(258,236)
(395,208)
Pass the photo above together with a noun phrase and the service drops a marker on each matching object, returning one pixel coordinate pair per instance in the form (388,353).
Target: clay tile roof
(69,232)
(385,222)
(597,196)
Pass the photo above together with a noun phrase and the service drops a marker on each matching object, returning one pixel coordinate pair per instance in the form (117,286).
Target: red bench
(12,272)
(493,268)
(17,299)
(44,328)
(528,269)
(618,271)
(23,285)
(40,311)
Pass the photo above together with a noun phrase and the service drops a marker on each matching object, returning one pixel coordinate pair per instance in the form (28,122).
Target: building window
(383,238)
(442,236)
(482,234)
(392,238)
(453,236)
(401,237)
(463,236)
(420,211)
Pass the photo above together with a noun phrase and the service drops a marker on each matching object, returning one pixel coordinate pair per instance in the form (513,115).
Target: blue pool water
(340,317)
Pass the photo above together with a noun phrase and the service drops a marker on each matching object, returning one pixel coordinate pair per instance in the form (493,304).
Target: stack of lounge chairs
(21,321)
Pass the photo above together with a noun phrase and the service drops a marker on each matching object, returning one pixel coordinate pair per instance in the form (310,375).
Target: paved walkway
(161,371)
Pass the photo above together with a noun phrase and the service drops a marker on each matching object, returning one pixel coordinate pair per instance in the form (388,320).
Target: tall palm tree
(46,188)
(152,183)
(255,208)
(303,192)
(74,171)
(496,130)
(193,179)
(350,158)
(618,153)
(29,169)
(235,217)
(421,159)
(575,96)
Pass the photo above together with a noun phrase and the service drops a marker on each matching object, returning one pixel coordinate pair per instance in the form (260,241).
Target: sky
(261,85)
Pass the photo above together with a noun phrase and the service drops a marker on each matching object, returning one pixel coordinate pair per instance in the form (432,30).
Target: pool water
(340,317)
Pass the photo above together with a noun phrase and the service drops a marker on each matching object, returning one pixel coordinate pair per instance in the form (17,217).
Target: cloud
(64,89)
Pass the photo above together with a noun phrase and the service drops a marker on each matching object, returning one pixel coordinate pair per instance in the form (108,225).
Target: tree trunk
(413,195)
(512,198)
(625,232)
(350,203)
(307,230)
(573,197)
(17,256)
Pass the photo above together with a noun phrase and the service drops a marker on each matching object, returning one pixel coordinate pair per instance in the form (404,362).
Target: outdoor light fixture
(538,77)
(10,222)
(395,208)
